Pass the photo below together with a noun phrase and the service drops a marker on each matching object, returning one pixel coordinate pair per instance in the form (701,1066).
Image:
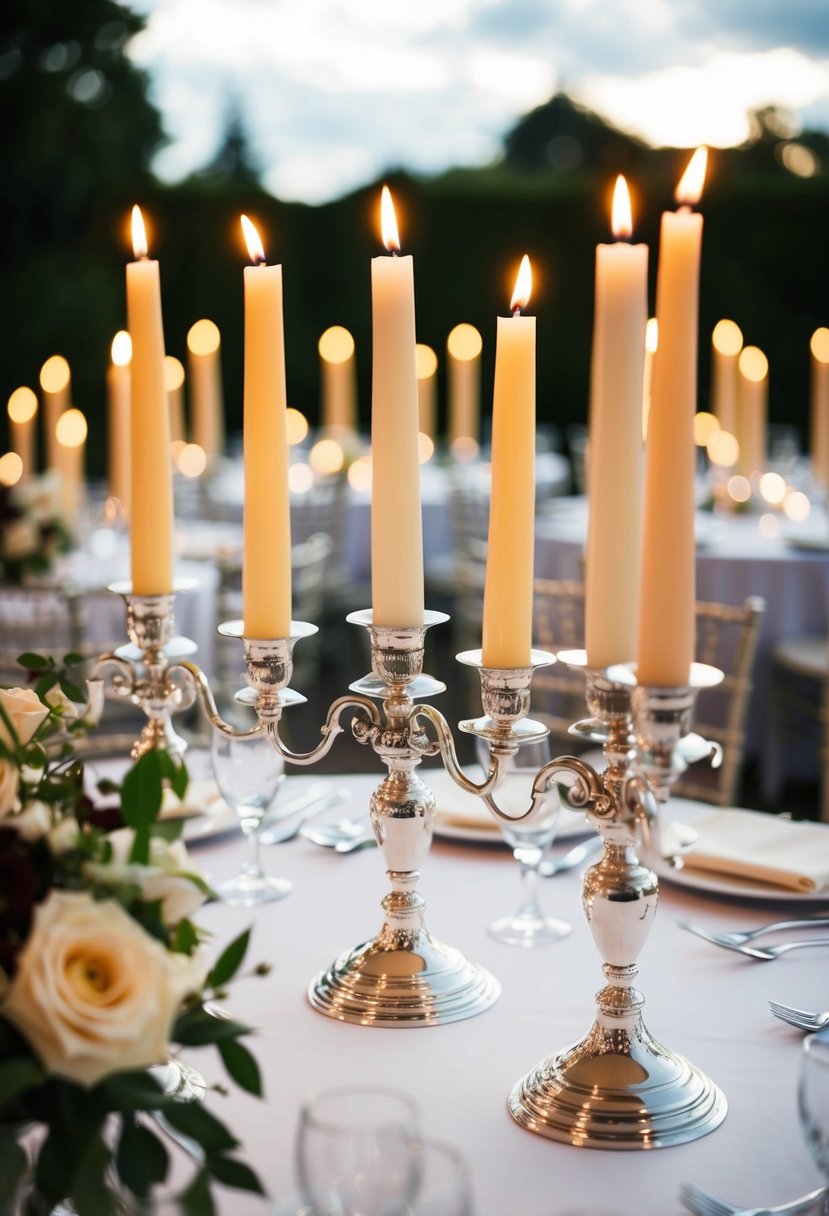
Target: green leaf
(140,851)
(169,829)
(141,1158)
(107,786)
(35,662)
(195,1122)
(229,961)
(241,1065)
(197,1028)
(185,938)
(234,1173)
(131,1091)
(90,1194)
(72,691)
(142,790)
(16,1076)
(45,684)
(175,771)
(197,1199)
(73,659)
(13,1166)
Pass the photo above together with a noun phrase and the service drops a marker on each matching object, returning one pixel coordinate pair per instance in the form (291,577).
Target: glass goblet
(529,926)
(355,1152)
(443,1187)
(813,1102)
(249,772)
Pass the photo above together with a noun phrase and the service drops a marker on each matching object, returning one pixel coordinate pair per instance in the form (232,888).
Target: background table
(703,1002)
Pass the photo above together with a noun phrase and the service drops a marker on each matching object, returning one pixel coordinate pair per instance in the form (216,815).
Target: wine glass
(355,1152)
(442,1187)
(529,926)
(249,772)
(813,1102)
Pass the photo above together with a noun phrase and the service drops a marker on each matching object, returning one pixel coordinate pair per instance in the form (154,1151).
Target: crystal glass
(813,1102)
(355,1152)
(529,926)
(442,1187)
(249,772)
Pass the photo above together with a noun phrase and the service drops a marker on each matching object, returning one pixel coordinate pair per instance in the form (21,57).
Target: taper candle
(508,586)
(338,371)
(752,412)
(463,369)
(22,411)
(207,425)
(819,445)
(396,528)
(55,381)
(266,562)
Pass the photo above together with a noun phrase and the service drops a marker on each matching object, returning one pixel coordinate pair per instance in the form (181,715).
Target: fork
(801,1018)
(765,953)
(703,1204)
(748,935)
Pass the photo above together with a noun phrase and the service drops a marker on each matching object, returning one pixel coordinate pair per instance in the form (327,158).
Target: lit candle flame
(139,234)
(690,185)
(254,244)
(622,217)
(121,352)
(523,286)
(388,222)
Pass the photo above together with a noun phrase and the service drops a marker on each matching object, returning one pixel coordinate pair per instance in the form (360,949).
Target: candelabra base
(618,1089)
(180,1081)
(403,980)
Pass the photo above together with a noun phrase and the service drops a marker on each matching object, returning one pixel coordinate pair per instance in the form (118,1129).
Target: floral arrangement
(102,976)
(32,529)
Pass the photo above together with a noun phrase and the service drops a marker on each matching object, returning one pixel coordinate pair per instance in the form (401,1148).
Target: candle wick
(394,253)
(685,209)
(516,312)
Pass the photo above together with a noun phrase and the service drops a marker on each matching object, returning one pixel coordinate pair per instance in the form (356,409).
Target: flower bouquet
(102,976)
(32,529)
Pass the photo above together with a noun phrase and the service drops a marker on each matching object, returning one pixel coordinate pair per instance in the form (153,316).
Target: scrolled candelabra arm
(445,746)
(201,690)
(364,728)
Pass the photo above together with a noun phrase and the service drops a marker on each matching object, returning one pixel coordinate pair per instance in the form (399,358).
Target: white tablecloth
(706,1003)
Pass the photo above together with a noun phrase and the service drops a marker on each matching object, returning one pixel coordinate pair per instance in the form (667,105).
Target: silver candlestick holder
(402,977)
(618,1088)
(140,670)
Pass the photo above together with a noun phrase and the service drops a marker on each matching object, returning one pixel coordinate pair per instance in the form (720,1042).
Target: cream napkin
(200,793)
(761,847)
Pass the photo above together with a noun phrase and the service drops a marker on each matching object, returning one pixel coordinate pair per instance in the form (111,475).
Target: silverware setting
(572,858)
(800,1018)
(739,941)
(285,822)
(343,831)
(703,1204)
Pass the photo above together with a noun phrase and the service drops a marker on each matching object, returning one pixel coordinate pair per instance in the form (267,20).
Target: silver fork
(748,935)
(766,953)
(703,1204)
(801,1018)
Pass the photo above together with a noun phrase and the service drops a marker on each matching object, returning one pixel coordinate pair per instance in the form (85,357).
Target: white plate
(217,820)
(706,883)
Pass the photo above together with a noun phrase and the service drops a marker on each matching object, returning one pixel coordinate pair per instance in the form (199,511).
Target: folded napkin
(764,848)
(200,793)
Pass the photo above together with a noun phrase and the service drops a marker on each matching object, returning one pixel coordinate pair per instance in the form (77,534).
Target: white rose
(94,994)
(168,877)
(20,538)
(9,785)
(25,710)
(33,822)
(64,835)
(59,701)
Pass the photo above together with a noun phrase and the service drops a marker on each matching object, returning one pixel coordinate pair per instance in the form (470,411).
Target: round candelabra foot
(411,982)
(618,1089)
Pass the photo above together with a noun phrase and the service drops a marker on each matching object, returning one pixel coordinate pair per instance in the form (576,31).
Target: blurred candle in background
(55,381)
(615,492)
(266,563)
(396,527)
(665,647)
(508,586)
(206,399)
(426,362)
(726,344)
(174,380)
(752,412)
(819,441)
(338,371)
(22,411)
(118,419)
(463,350)
(651,343)
(70,434)
(151,483)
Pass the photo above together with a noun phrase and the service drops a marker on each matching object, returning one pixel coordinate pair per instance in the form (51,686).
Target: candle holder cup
(402,977)
(618,1088)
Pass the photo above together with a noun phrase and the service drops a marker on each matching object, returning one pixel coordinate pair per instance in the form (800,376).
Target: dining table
(703,1002)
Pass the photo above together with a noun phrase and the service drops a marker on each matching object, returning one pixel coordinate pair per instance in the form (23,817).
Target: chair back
(47,620)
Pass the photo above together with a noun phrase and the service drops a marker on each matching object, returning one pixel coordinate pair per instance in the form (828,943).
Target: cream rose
(57,699)
(33,822)
(94,994)
(25,710)
(168,877)
(19,539)
(9,785)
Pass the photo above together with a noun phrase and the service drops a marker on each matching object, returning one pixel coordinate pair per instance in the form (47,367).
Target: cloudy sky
(334,92)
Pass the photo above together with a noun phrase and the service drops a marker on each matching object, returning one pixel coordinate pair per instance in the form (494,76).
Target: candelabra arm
(201,689)
(364,727)
(579,787)
(445,745)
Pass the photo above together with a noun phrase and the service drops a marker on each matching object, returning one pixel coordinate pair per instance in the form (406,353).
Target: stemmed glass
(529,926)
(356,1152)
(813,1103)
(249,772)
(443,1187)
